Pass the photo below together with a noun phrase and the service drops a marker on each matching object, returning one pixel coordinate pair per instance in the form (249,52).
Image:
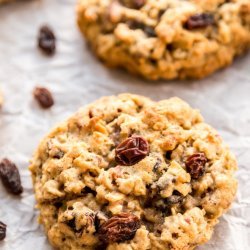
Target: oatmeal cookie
(129,173)
(166,39)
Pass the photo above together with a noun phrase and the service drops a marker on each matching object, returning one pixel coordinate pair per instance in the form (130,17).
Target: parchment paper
(76,78)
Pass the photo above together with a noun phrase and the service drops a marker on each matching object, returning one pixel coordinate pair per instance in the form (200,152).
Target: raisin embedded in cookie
(126,172)
(166,39)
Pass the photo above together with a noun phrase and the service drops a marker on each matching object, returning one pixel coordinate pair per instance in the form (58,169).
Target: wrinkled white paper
(76,78)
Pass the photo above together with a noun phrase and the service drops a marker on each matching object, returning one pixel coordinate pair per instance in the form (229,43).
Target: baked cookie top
(167,38)
(126,173)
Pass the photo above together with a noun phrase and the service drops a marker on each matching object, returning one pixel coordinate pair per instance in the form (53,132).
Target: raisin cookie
(129,173)
(166,39)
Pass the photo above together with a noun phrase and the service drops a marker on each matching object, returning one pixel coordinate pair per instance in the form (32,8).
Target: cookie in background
(169,39)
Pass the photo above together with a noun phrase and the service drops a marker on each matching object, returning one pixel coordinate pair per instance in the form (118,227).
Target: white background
(76,78)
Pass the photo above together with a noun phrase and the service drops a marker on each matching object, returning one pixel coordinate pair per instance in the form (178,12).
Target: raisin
(101,246)
(44,97)
(97,222)
(72,224)
(133,4)
(200,21)
(10,177)
(119,228)
(195,165)
(47,40)
(58,204)
(133,24)
(131,151)
(91,115)
(88,190)
(168,155)
(3,228)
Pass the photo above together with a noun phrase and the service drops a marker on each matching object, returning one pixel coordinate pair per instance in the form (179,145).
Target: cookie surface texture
(126,172)
(167,39)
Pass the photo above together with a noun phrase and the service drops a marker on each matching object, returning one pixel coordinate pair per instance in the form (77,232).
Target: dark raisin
(200,21)
(3,228)
(168,155)
(58,204)
(88,190)
(133,24)
(91,114)
(195,165)
(72,224)
(44,97)
(175,235)
(133,4)
(153,61)
(97,222)
(119,228)
(131,151)
(93,174)
(10,177)
(170,47)
(101,246)
(47,40)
